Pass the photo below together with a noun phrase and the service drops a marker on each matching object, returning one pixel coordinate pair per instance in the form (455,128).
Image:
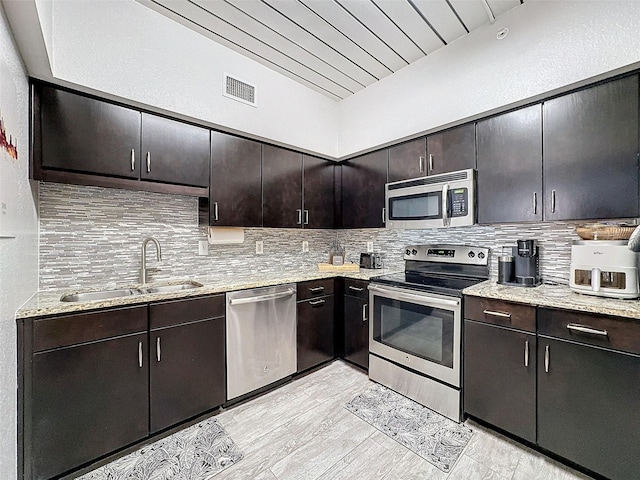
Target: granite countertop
(48,302)
(556,296)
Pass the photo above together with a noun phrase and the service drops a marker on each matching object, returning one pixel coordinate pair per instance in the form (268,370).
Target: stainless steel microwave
(445,200)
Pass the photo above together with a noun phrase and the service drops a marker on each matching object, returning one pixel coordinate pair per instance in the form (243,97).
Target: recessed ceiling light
(502,33)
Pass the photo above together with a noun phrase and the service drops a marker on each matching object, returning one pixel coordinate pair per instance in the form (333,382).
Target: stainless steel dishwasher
(261,337)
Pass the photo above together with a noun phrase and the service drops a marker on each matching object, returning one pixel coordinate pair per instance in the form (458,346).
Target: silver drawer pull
(546,358)
(355,289)
(526,353)
(576,327)
(497,314)
(316,289)
(140,354)
(316,303)
(158,348)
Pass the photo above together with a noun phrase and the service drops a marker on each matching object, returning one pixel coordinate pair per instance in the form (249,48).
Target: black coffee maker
(521,268)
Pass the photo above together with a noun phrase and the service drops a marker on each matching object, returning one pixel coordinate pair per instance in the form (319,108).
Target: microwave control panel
(459,202)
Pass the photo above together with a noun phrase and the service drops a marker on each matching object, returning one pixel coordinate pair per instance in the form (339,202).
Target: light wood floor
(302,431)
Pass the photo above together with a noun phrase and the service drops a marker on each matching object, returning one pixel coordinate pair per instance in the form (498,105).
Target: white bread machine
(604,268)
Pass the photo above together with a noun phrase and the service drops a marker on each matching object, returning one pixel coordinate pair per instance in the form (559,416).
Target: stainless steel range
(416,324)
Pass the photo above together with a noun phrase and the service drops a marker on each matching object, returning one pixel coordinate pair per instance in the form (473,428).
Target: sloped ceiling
(336,47)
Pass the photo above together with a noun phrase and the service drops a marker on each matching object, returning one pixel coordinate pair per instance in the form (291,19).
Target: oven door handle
(415,298)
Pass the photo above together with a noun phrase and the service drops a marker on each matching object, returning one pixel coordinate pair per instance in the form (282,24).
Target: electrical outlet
(203,247)
(305,246)
(259,247)
(369,247)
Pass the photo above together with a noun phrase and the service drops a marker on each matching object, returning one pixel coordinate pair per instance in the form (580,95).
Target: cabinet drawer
(617,333)
(356,288)
(315,288)
(166,314)
(68,330)
(498,312)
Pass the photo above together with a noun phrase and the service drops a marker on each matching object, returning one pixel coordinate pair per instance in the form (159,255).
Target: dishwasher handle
(261,298)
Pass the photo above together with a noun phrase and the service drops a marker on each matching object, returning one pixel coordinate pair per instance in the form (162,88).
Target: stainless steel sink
(177,287)
(128,292)
(100,295)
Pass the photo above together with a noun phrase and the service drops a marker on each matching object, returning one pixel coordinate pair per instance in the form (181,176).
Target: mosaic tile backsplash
(92,236)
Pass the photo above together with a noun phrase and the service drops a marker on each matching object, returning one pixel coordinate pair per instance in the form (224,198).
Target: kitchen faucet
(143,268)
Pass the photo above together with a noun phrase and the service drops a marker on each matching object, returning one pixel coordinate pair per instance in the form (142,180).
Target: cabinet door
(452,150)
(510,167)
(500,377)
(281,187)
(315,332)
(590,152)
(363,181)
(187,371)
(174,152)
(588,407)
(318,193)
(87,135)
(235,194)
(87,400)
(356,330)
(408,160)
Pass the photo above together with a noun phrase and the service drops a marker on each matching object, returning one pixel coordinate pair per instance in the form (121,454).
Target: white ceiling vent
(239,90)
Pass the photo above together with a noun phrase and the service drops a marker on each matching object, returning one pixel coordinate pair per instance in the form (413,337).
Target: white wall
(551,44)
(18,255)
(128,50)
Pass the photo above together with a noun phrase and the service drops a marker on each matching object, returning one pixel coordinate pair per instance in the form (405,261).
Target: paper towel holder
(225,235)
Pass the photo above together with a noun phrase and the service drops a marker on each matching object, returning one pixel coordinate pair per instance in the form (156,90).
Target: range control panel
(447,254)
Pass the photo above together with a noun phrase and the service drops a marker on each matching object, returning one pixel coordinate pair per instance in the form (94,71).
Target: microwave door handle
(445,205)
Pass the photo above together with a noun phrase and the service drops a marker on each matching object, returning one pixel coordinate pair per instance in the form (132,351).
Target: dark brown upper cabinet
(451,150)
(408,160)
(174,152)
(297,189)
(235,193)
(318,194)
(363,180)
(83,140)
(591,152)
(510,167)
(281,187)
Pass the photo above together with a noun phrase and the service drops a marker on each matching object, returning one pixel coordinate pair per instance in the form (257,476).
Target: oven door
(417,330)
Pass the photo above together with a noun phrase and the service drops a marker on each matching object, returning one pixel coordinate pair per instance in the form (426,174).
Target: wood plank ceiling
(336,47)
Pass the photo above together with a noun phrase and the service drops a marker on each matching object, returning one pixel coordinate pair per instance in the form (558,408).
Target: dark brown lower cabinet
(356,323)
(589,406)
(500,377)
(87,400)
(315,332)
(187,371)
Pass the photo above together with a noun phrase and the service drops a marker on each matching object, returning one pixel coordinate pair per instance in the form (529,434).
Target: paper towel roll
(218,235)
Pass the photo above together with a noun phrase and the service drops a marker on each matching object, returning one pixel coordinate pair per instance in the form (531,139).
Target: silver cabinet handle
(355,289)
(317,302)
(133,159)
(535,203)
(553,201)
(140,354)
(158,348)
(364,312)
(306,217)
(546,358)
(576,327)
(148,162)
(526,353)
(420,164)
(215,211)
(384,215)
(316,289)
(299,211)
(430,162)
(497,314)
